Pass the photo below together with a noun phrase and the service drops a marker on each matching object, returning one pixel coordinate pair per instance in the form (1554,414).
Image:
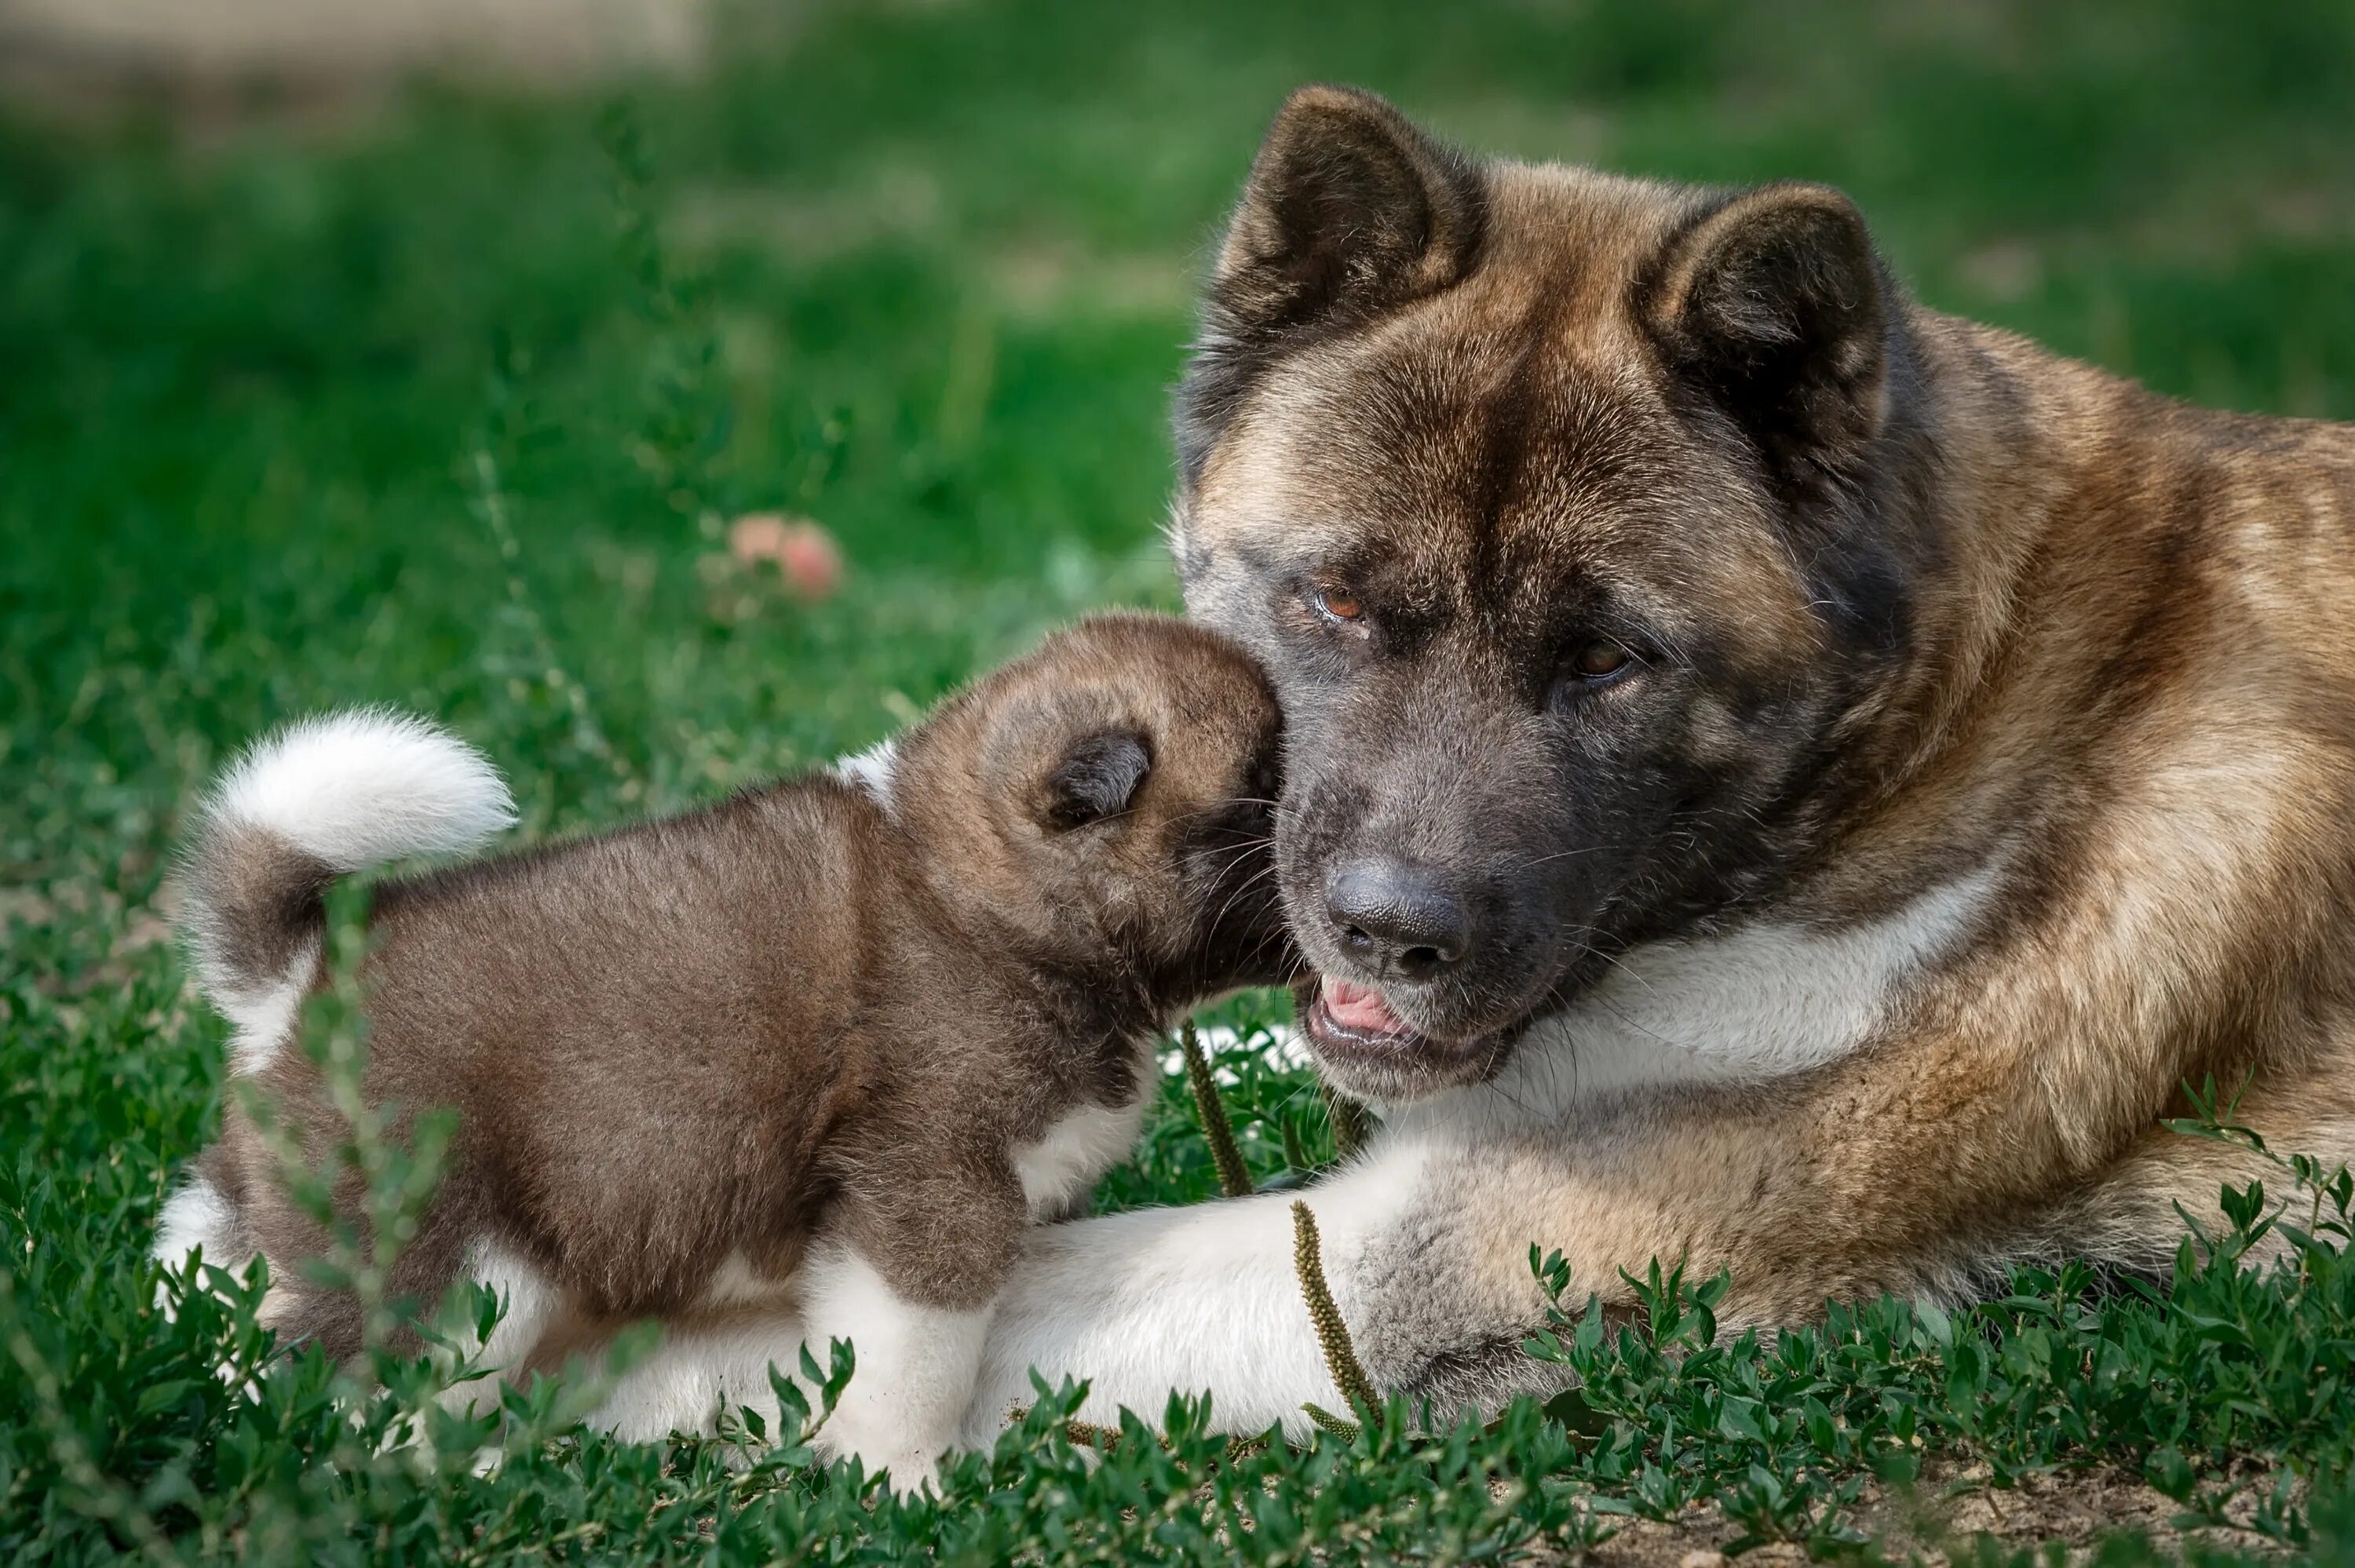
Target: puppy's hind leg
(202,1214)
(530,1300)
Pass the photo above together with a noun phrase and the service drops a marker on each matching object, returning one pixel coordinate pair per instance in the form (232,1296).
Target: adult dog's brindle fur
(2012,698)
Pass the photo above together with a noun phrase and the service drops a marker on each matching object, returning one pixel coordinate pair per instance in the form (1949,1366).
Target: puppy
(838,1039)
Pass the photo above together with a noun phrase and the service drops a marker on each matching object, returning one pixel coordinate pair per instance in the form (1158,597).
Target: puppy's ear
(1098,778)
(1351,210)
(1773,306)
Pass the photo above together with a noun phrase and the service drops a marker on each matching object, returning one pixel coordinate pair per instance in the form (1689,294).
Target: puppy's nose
(1396,920)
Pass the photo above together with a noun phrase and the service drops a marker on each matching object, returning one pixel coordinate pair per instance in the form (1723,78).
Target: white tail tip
(359,787)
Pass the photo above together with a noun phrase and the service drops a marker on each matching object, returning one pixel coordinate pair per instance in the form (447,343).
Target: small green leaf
(1569,1411)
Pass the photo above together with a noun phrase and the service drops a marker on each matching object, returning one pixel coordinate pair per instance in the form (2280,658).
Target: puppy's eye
(1339,607)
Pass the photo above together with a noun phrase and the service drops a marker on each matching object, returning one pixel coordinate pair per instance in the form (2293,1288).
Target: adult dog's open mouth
(1368,1049)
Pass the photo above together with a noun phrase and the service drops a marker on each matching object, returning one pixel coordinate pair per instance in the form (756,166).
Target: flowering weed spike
(1332,1333)
(1345,1430)
(1234,1177)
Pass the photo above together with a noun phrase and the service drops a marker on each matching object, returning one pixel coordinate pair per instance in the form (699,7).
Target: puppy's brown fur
(822,1005)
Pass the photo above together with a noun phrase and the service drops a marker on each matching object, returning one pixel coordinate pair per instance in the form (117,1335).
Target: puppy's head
(1109,802)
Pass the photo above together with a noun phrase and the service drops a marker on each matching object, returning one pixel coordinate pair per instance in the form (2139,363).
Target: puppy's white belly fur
(1058,1170)
(735,1284)
(904,1403)
(696,1371)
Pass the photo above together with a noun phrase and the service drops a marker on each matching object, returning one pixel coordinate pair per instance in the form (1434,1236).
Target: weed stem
(1234,1177)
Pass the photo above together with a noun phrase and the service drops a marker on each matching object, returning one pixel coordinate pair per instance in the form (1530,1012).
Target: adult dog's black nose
(1396,920)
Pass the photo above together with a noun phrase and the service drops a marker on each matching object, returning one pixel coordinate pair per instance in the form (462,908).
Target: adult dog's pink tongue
(1360,1007)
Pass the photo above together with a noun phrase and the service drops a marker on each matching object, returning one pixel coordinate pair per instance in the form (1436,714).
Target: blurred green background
(439,395)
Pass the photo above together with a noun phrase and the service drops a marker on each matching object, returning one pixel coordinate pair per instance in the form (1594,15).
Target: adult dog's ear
(1772,305)
(1098,778)
(1351,210)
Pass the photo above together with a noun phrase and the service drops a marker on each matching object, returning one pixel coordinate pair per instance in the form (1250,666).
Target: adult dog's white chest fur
(1761,1002)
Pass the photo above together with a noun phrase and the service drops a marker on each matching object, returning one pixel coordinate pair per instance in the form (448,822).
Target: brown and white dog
(833,1043)
(1776,777)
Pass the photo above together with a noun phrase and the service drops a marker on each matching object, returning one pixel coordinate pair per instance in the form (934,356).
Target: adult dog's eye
(1599,661)
(1596,664)
(1340,606)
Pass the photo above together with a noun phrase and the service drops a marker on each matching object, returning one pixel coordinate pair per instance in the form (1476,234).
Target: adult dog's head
(1565,511)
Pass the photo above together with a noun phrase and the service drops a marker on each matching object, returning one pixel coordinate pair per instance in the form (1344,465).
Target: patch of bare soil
(1952,1505)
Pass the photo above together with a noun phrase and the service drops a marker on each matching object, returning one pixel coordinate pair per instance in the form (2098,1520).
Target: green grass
(443,408)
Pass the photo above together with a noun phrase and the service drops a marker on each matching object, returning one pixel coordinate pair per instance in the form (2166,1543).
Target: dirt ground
(1952,1504)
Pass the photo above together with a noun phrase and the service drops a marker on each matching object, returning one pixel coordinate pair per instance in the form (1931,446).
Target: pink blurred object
(806,556)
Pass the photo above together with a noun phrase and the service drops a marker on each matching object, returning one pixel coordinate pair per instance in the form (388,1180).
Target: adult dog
(1778,777)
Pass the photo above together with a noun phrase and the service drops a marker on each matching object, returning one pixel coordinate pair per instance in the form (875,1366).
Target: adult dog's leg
(1208,1298)
(1196,1299)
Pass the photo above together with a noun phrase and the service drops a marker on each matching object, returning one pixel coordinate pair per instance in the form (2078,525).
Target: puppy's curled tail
(320,798)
